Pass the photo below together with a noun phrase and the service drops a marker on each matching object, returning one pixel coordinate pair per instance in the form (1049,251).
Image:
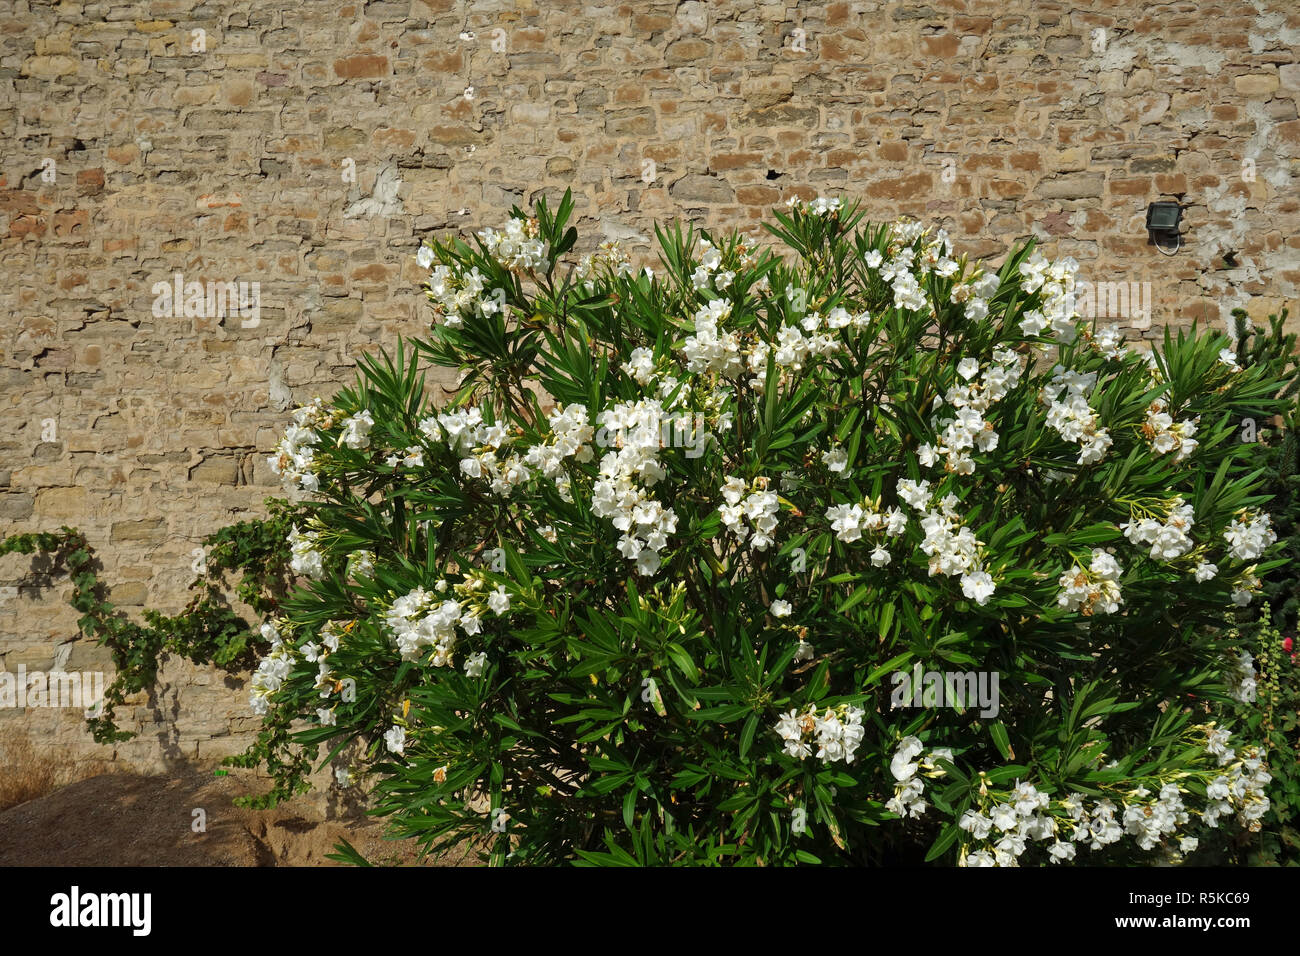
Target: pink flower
(1287,644)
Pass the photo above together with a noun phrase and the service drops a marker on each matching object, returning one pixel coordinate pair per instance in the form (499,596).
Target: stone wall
(309,146)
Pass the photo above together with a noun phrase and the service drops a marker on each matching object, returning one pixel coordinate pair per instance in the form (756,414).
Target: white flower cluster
(518,245)
(1243,684)
(1095,590)
(423,619)
(356,430)
(936,257)
(460,428)
(571,436)
(907,764)
(478,443)
(502,474)
(898,270)
(1241,788)
(793,347)
(640,365)
(849,521)
(975,295)
(1097,828)
(455,295)
(707,270)
(274,668)
(1249,535)
(295,456)
(1166,436)
(1054,282)
(412,457)
(1245,588)
(1074,419)
(645,523)
(759,505)
(970,400)
(1168,539)
(419,620)
(710,350)
(816,207)
(952,548)
(837,732)
(271,670)
(1019,820)
(1150,822)
(306,559)
(609,255)
(1109,342)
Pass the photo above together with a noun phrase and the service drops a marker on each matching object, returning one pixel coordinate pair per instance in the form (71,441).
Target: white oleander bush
(643,587)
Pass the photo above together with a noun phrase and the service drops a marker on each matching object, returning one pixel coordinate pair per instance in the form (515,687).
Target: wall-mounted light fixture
(1162,225)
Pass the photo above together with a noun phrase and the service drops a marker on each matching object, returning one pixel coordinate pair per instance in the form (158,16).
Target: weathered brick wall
(309,146)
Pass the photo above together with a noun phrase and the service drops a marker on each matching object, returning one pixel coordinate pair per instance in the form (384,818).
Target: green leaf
(1001,740)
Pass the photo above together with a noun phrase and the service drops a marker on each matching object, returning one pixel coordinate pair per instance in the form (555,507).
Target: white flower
(1059,852)
(326,716)
(839,732)
(517,246)
(836,460)
(760,507)
(781,608)
(1005,817)
(914,493)
(475,663)
(640,365)
(1095,591)
(1249,535)
(1165,435)
(430,428)
(1243,684)
(648,561)
(903,765)
(306,559)
(330,635)
(978,586)
(846,521)
(499,600)
(356,430)
(395,740)
(976,824)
